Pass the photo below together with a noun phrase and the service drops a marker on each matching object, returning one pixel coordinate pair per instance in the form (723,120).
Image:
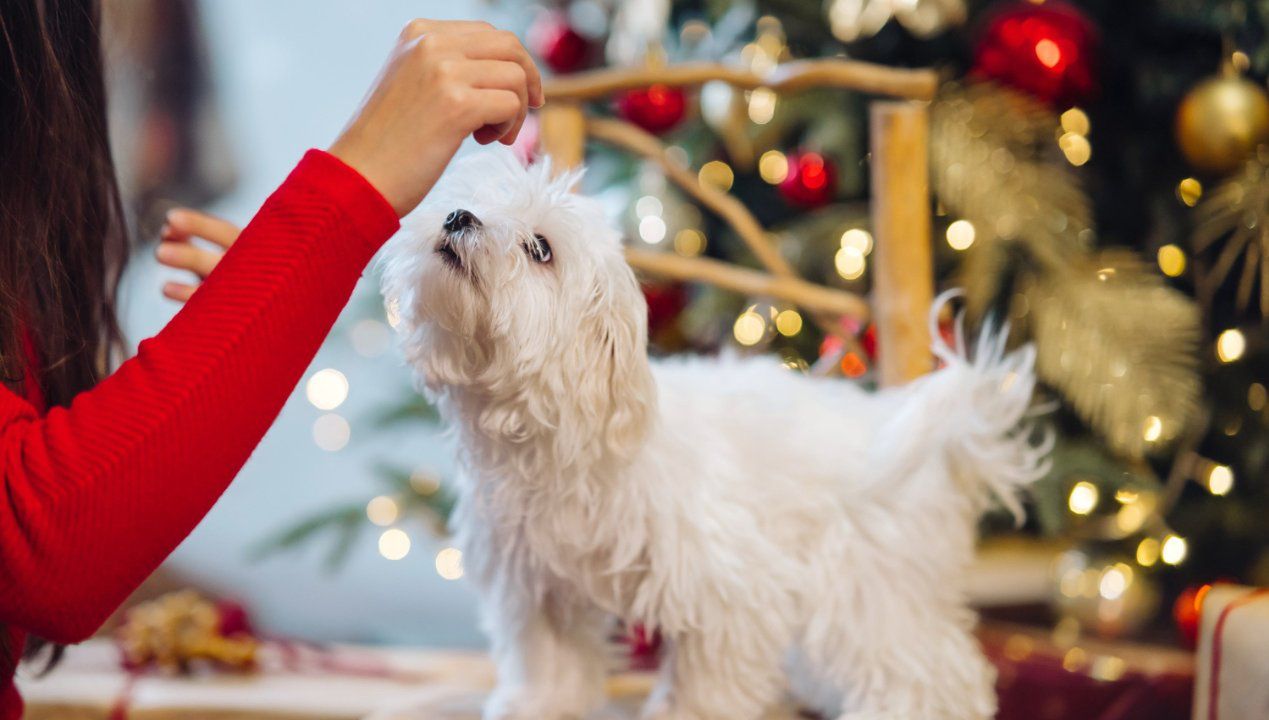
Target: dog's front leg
(730,673)
(551,659)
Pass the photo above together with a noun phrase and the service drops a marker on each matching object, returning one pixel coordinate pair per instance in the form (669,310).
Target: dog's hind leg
(922,666)
(551,659)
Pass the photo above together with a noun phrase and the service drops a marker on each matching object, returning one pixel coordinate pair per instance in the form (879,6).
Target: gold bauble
(1220,122)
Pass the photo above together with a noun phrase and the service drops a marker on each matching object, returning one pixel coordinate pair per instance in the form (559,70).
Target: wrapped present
(1232,670)
(1046,676)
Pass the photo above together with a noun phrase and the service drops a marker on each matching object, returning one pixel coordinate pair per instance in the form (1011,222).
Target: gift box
(1232,670)
(1045,676)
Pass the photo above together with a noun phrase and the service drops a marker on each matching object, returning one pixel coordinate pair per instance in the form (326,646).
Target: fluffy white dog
(769,524)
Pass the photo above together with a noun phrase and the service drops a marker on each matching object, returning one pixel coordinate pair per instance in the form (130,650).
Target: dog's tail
(977,408)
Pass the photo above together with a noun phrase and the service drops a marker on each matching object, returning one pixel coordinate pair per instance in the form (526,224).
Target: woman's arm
(94,496)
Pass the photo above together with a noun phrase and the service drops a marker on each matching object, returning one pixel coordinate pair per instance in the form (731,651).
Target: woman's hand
(176,250)
(444,80)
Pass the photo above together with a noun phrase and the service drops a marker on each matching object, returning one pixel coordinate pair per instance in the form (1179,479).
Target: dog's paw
(660,708)
(528,704)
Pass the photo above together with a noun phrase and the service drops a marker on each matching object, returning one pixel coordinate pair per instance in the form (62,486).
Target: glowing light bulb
(1220,480)
(689,242)
(1171,260)
(1147,552)
(762,105)
(331,432)
(749,328)
(788,323)
(859,239)
(1048,53)
(647,205)
(394,544)
(773,167)
(1174,550)
(1152,429)
(327,389)
(960,234)
(1189,191)
(382,511)
(449,563)
(1230,345)
(718,174)
(1083,498)
(850,263)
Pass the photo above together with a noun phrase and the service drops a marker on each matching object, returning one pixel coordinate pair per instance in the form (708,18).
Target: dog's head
(516,303)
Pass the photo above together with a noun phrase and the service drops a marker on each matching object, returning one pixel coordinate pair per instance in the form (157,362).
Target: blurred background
(1099,178)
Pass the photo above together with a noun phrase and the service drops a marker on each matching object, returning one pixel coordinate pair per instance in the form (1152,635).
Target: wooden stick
(903,266)
(789,77)
(731,210)
(815,298)
(562,134)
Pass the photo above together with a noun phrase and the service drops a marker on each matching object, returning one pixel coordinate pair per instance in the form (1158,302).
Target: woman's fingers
(183,223)
(502,75)
(498,110)
(179,292)
(504,45)
(185,256)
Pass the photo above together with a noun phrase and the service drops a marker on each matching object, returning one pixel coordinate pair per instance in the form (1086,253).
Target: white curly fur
(769,524)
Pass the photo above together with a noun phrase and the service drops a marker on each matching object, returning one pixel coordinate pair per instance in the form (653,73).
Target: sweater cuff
(366,211)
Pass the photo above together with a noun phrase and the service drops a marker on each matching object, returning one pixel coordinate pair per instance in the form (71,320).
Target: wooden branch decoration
(815,298)
(731,210)
(788,77)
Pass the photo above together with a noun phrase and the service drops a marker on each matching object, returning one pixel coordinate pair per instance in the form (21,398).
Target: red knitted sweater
(96,495)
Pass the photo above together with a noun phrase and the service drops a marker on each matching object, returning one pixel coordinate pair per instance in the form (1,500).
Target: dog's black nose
(460,220)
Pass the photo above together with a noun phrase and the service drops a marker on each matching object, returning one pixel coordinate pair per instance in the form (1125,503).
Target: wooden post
(903,266)
(562,133)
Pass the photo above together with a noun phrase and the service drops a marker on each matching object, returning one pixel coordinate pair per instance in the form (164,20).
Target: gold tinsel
(1238,212)
(173,632)
(1118,344)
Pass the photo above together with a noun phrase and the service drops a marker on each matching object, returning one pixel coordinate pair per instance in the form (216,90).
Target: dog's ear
(616,391)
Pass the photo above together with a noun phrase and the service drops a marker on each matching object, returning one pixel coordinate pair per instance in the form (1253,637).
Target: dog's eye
(539,249)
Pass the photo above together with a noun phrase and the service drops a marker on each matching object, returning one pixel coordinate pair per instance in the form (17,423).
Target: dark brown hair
(63,239)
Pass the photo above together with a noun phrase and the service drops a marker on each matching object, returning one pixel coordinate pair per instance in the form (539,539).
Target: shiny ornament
(852,20)
(665,302)
(559,45)
(1048,51)
(811,181)
(1221,122)
(1106,594)
(1186,613)
(657,108)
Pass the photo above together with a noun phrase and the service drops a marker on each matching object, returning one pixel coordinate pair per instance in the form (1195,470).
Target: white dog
(767,523)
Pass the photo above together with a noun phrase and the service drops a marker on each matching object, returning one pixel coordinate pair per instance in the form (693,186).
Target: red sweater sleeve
(96,495)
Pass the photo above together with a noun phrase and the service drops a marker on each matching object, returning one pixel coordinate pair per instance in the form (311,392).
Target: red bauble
(560,47)
(234,619)
(1048,51)
(811,181)
(656,108)
(665,302)
(1187,611)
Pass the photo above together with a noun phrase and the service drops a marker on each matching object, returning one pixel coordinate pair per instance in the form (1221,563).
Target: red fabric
(96,495)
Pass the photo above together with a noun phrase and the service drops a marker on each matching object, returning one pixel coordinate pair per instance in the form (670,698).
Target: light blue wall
(288,73)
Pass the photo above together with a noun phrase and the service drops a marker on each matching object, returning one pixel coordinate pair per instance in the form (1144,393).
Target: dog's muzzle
(455,224)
